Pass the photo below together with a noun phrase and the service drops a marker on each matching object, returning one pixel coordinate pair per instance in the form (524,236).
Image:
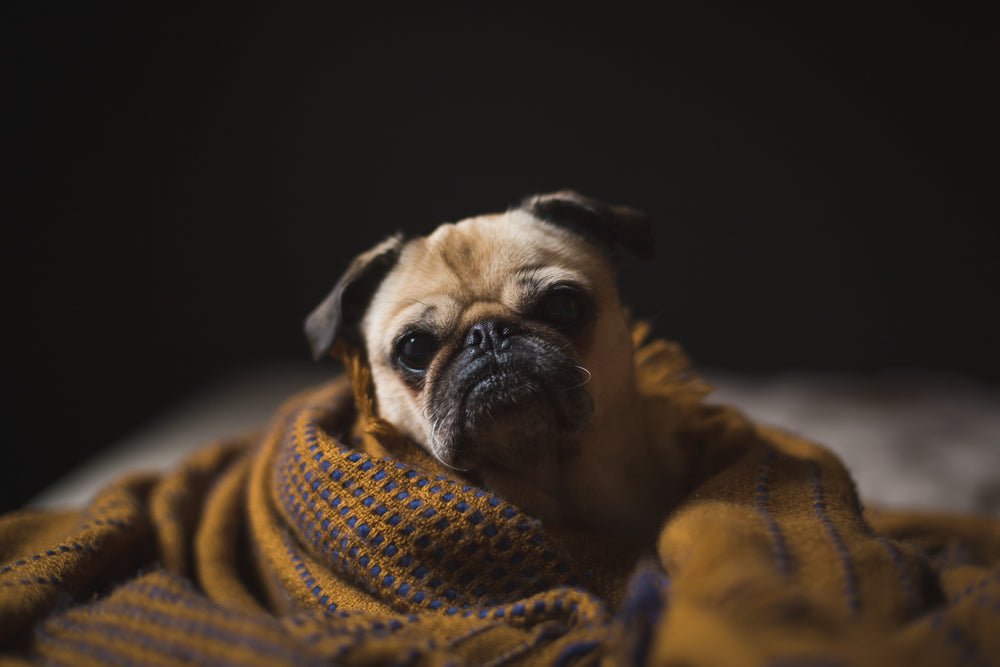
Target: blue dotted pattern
(61,550)
(415,539)
(914,599)
(843,553)
(763,501)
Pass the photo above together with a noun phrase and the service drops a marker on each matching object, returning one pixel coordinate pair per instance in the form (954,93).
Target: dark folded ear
(339,315)
(613,228)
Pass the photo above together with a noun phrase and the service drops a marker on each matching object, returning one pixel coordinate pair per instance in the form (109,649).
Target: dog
(500,346)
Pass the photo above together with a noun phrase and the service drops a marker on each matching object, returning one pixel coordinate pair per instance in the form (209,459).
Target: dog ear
(338,316)
(613,228)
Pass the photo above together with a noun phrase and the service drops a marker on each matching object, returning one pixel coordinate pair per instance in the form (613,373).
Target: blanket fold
(305,544)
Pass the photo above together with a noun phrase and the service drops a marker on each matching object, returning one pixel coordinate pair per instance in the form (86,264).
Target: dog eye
(563,307)
(415,351)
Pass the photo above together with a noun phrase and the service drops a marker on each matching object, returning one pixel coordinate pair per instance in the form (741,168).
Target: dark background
(182,185)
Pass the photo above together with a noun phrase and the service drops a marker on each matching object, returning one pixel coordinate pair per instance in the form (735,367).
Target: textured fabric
(309,544)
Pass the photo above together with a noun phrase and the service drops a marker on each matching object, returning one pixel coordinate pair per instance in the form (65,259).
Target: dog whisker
(588,378)
(438,445)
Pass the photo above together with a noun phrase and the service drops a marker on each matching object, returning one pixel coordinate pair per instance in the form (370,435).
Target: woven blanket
(309,543)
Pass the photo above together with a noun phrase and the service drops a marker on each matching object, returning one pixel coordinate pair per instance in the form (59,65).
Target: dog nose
(490,334)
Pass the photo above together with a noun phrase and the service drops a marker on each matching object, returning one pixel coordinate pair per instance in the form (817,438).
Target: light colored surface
(911,441)
(233,405)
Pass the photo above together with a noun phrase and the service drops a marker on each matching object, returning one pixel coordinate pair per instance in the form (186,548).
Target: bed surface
(910,440)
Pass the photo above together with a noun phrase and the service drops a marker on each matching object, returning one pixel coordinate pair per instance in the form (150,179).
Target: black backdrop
(183,185)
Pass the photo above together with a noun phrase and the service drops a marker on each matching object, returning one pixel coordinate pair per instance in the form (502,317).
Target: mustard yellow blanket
(306,545)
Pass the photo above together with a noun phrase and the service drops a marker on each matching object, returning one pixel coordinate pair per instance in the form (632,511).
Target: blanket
(325,540)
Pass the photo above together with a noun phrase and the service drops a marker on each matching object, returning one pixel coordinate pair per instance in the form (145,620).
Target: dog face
(499,344)
(481,339)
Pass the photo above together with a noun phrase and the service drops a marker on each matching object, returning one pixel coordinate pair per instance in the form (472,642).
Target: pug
(499,346)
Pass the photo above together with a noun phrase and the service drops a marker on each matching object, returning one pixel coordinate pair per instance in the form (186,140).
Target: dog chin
(511,406)
(511,421)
